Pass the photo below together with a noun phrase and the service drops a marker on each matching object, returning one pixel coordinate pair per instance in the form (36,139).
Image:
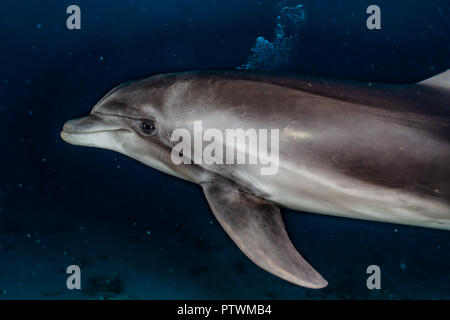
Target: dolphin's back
(415,97)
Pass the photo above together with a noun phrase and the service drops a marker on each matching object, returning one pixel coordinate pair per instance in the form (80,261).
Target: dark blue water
(137,233)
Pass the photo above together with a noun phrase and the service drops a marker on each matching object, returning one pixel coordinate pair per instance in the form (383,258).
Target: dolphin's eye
(148,126)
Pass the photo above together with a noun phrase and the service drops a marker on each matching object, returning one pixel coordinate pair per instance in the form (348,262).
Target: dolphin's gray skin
(361,150)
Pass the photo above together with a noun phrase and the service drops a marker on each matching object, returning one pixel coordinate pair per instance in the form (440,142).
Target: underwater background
(140,234)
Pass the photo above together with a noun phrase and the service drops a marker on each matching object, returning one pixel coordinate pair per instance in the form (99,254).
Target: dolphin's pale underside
(361,150)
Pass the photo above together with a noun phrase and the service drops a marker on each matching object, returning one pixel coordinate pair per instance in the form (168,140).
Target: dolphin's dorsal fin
(441,80)
(256,226)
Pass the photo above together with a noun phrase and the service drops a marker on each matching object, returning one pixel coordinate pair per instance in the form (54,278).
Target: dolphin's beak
(84,131)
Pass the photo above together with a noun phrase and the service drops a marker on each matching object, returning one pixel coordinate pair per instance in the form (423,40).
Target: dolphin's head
(130,120)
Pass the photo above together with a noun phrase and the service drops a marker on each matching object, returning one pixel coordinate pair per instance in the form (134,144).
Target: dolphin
(369,151)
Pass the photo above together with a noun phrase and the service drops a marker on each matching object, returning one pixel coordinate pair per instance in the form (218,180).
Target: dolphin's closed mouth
(92,132)
(80,131)
(78,137)
(93,123)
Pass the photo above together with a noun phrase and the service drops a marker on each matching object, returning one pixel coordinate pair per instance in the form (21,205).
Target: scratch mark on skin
(245,109)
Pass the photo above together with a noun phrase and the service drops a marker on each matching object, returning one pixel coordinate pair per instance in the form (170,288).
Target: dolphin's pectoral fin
(257,227)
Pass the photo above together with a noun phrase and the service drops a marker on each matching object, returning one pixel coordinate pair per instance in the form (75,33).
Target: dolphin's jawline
(93,132)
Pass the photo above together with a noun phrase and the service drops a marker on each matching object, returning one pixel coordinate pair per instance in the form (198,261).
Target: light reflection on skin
(296,134)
